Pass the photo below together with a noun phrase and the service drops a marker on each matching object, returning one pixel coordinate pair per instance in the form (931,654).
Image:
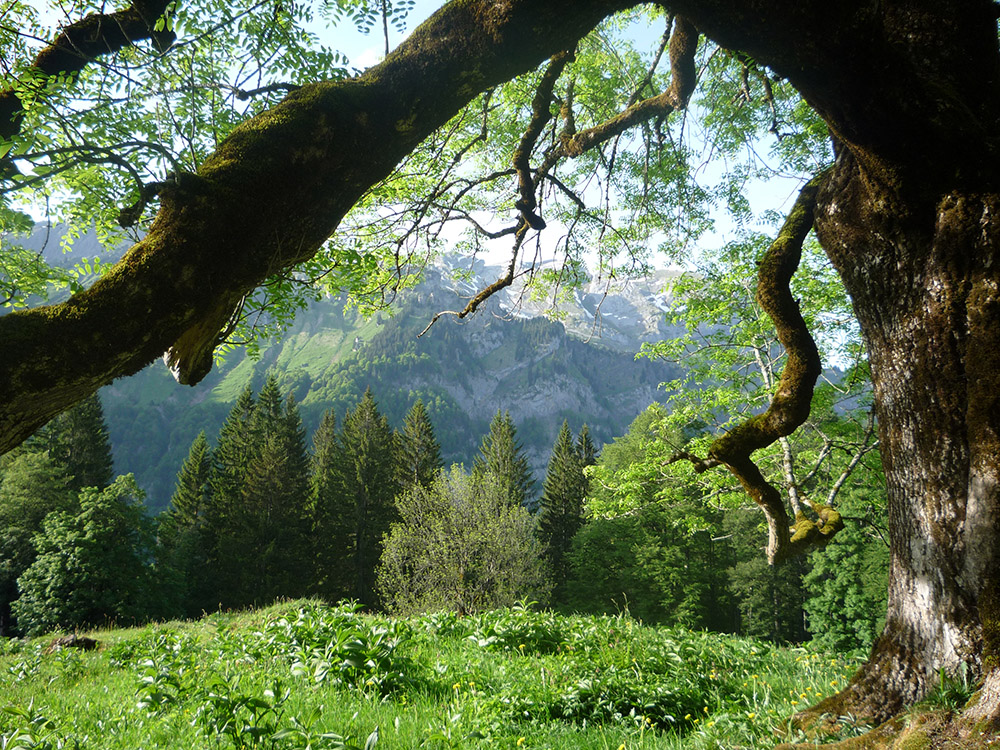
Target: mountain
(577,364)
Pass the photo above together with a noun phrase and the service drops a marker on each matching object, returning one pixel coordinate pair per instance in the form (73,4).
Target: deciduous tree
(460,545)
(92,567)
(906,212)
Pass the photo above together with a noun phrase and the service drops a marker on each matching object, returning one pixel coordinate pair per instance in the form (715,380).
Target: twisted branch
(80,43)
(682,48)
(790,405)
(540,115)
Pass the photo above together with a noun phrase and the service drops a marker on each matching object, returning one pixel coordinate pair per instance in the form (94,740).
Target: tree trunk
(909,88)
(910,220)
(925,287)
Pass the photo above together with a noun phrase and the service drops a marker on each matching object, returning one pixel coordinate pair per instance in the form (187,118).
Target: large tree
(907,213)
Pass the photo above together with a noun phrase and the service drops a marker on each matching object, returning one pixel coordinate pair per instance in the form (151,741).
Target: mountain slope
(505,357)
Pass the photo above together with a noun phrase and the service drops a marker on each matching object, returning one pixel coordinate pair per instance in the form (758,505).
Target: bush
(461,545)
(91,566)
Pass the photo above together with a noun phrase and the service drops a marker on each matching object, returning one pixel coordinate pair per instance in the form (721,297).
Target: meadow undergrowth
(306,675)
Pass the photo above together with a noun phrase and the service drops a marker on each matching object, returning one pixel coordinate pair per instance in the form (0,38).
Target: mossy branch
(790,405)
(283,179)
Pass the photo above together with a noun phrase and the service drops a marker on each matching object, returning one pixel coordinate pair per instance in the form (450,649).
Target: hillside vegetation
(463,371)
(306,675)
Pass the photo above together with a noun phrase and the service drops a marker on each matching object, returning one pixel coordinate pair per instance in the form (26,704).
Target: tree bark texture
(910,220)
(909,217)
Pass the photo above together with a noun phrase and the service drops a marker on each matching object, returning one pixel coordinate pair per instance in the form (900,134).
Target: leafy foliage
(307,675)
(32,485)
(90,567)
(460,545)
(847,582)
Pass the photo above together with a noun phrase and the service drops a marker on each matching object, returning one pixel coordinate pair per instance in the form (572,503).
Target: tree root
(915,730)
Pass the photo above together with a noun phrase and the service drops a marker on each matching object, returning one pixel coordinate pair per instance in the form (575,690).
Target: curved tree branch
(790,405)
(540,116)
(271,194)
(81,43)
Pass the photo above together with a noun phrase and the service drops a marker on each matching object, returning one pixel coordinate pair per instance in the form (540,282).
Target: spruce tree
(275,496)
(78,439)
(256,523)
(181,564)
(187,505)
(223,533)
(420,453)
(370,452)
(585,448)
(332,514)
(500,455)
(560,513)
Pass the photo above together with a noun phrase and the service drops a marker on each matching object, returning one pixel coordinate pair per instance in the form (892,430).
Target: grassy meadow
(305,675)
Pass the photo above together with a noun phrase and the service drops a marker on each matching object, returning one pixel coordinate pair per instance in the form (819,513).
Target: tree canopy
(514,118)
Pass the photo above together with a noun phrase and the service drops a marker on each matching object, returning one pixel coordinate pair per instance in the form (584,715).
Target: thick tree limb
(790,405)
(81,43)
(266,200)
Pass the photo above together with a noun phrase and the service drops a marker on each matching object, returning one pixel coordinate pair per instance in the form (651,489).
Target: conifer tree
(222,532)
(181,564)
(187,505)
(78,439)
(275,497)
(500,455)
(420,453)
(585,448)
(332,514)
(560,513)
(256,522)
(370,451)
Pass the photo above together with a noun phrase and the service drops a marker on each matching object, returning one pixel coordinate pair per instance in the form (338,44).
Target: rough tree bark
(909,217)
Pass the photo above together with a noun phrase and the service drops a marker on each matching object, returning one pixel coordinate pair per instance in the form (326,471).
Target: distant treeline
(371,514)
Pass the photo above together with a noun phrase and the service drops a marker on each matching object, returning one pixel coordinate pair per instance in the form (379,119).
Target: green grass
(303,675)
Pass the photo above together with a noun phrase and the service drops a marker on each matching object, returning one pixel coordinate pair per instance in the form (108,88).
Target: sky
(366,50)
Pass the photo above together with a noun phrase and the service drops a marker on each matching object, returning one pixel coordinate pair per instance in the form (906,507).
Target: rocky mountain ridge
(574,360)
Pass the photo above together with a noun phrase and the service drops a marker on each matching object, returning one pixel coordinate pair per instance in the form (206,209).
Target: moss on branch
(790,405)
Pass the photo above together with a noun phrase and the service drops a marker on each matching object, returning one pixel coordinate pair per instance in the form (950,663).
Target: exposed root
(926,730)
